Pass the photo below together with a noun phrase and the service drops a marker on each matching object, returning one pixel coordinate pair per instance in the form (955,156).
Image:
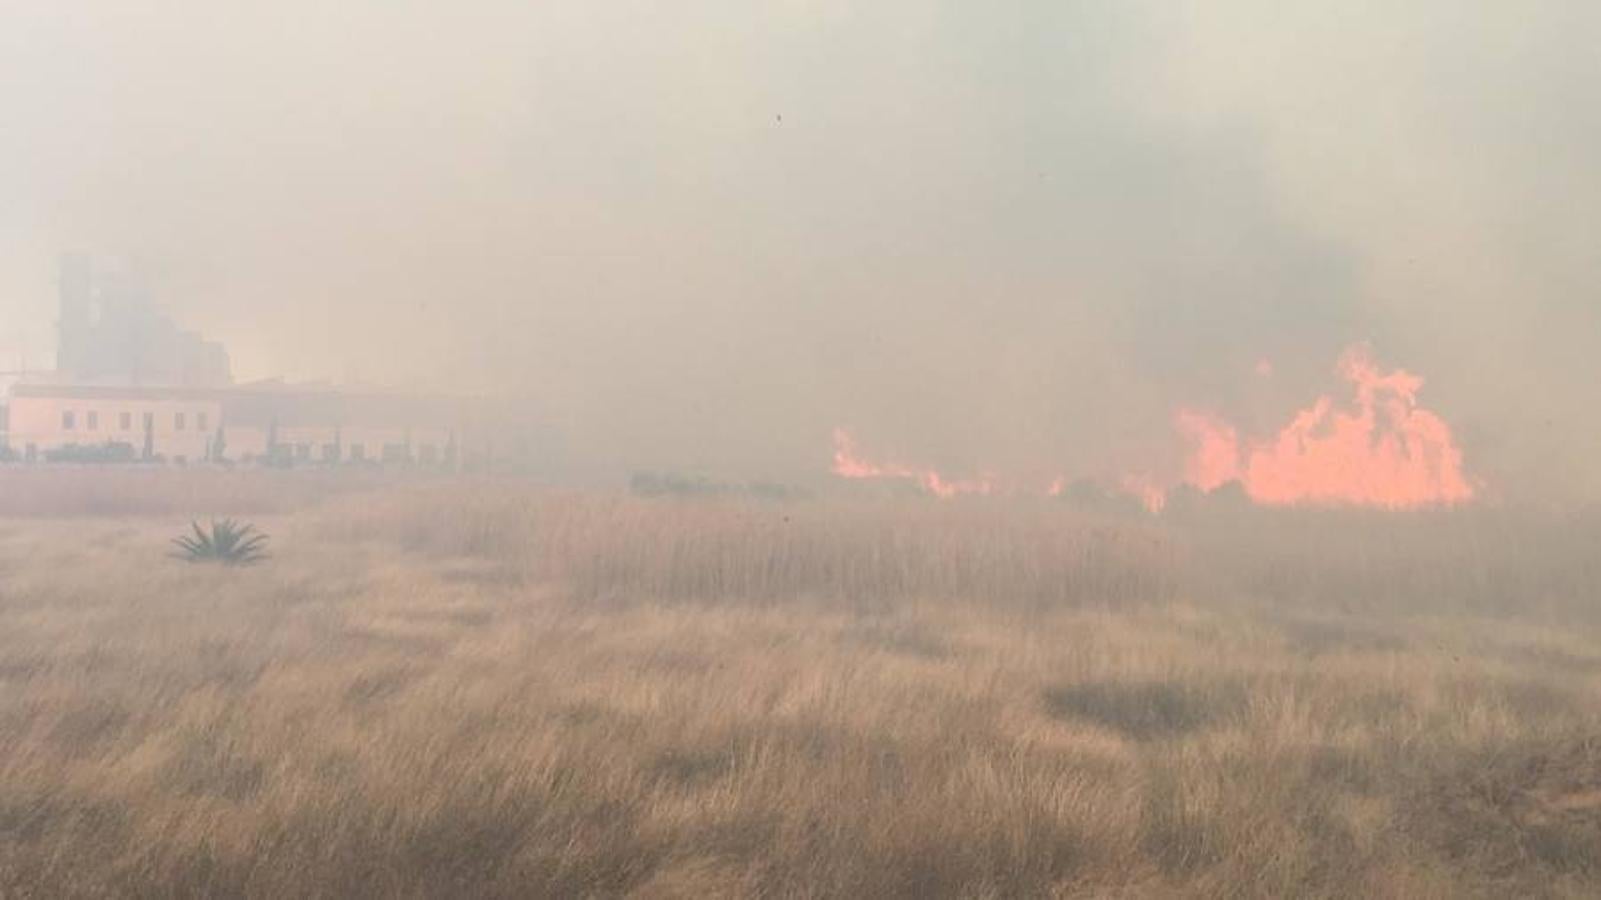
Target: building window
(358,453)
(200,421)
(330,452)
(69,420)
(125,421)
(150,421)
(178,421)
(93,420)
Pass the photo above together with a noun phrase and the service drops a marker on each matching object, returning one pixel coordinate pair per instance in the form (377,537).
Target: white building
(270,422)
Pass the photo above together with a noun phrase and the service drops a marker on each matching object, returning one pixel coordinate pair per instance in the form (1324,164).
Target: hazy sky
(698,235)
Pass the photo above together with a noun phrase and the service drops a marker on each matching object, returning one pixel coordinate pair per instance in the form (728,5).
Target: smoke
(700,236)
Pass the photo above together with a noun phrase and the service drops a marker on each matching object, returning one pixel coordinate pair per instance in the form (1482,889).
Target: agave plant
(228,542)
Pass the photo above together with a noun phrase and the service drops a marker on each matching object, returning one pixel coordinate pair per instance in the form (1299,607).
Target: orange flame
(1386,451)
(1214,459)
(1383,450)
(848,464)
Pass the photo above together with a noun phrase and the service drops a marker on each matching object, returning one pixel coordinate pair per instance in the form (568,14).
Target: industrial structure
(110,330)
(129,385)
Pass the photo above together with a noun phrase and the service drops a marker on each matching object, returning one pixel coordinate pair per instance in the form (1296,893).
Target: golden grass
(476,689)
(117,491)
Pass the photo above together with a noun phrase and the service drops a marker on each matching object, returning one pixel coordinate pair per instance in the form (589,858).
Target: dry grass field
(462,689)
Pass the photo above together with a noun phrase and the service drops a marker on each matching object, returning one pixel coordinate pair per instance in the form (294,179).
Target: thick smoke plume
(695,237)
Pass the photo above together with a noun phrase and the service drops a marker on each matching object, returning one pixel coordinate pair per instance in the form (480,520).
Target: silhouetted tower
(111,329)
(76,289)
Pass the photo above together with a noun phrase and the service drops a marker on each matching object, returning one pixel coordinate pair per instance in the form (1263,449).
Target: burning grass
(474,690)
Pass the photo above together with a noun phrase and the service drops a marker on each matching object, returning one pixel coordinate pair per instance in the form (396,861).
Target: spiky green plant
(227,542)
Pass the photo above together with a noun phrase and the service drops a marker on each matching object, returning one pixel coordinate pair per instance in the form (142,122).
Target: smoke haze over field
(704,235)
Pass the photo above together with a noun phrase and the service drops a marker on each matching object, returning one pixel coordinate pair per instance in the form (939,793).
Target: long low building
(130,384)
(265,422)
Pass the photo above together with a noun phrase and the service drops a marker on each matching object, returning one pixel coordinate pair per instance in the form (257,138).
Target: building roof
(264,403)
